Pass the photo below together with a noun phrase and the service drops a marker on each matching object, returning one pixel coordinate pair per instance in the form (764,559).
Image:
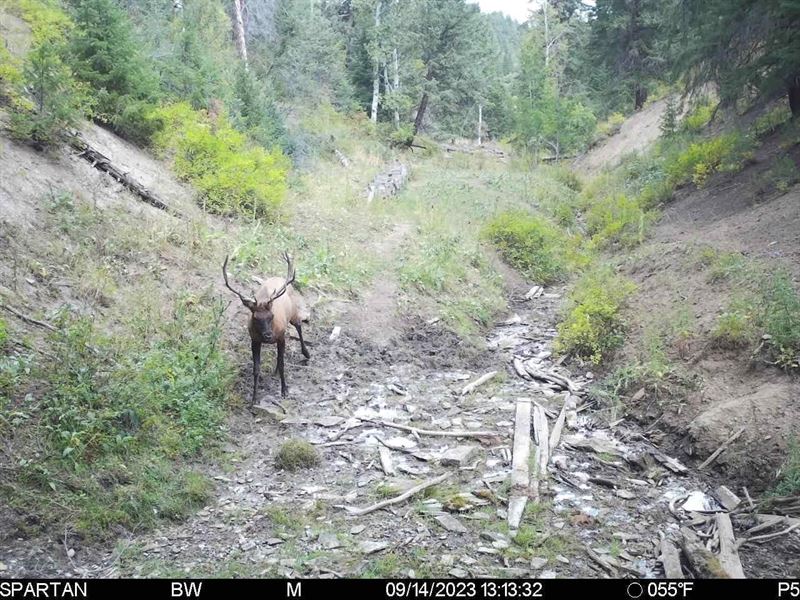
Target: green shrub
(232,177)
(617,219)
(789,477)
(530,244)
(611,125)
(781,320)
(771,120)
(3,332)
(698,118)
(735,327)
(725,153)
(593,327)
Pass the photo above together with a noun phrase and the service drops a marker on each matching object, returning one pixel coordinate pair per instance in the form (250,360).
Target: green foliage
(611,125)
(231,177)
(725,153)
(669,120)
(698,118)
(296,454)
(781,320)
(618,219)
(56,101)
(771,120)
(257,115)
(783,174)
(735,328)
(104,53)
(593,327)
(530,244)
(789,477)
(3,333)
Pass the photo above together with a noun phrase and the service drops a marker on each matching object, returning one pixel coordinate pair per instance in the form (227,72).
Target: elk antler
(290,274)
(246,301)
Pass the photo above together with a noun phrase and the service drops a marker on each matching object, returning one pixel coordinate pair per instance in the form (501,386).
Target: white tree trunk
(376,81)
(241,43)
(396,88)
(546,37)
(480,124)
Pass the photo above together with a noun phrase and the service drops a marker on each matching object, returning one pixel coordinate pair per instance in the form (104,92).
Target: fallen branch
(559,380)
(540,427)
(601,561)
(703,562)
(470,387)
(555,435)
(520,461)
(386,460)
(103,163)
(720,450)
(28,319)
(770,536)
(357,512)
(415,431)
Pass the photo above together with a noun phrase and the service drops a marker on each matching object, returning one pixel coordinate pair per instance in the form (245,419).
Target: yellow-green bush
(617,218)
(771,120)
(611,125)
(698,118)
(593,327)
(531,244)
(725,153)
(232,176)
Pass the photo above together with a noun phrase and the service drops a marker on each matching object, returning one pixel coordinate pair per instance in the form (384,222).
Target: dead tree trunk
(480,124)
(241,42)
(396,88)
(423,106)
(794,97)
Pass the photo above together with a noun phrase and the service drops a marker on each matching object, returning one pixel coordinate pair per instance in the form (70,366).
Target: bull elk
(272,308)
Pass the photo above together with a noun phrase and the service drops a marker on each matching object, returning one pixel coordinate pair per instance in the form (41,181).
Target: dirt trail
(605,490)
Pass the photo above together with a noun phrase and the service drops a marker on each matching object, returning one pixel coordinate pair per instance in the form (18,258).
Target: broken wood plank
(355,511)
(516,507)
(728,555)
(470,387)
(540,428)
(720,450)
(704,563)
(571,404)
(335,333)
(534,292)
(602,562)
(670,560)
(452,433)
(520,457)
(520,369)
(386,460)
(555,435)
(670,463)
(794,524)
(727,498)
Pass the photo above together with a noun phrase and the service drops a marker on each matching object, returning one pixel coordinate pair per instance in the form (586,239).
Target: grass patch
(789,477)
(726,153)
(294,455)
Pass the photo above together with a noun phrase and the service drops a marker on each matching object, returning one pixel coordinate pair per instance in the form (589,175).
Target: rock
(329,541)
(450,523)
(494,536)
(71,552)
(547,575)
(400,443)
(537,562)
(247,545)
(3,567)
(468,560)
(446,560)
(357,529)
(485,550)
(627,494)
(458,456)
(562,559)
(371,547)
(274,541)
(458,573)
(500,545)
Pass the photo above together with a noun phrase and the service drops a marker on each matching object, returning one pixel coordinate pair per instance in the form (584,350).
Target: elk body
(273,307)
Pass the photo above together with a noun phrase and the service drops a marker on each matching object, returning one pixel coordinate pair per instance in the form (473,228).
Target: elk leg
(281,350)
(303,348)
(256,367)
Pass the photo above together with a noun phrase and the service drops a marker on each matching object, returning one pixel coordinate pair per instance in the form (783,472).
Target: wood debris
(355,511)
(520,469)
(720,450)
(470,387)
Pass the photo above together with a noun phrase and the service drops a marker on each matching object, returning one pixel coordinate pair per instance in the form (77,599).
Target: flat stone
(357,529)
(329,541)
(450,523)
(537,562)
(458,456)
(727,498)
(329,421)
(627,494)
(274,541)
(547,575)
(371,547)
(458,573)
(562,559)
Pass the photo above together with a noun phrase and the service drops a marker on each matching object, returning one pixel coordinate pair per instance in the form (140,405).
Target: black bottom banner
(376,589)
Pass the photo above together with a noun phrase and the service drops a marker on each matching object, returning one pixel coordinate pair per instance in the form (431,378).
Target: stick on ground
(357,512)
(720,450)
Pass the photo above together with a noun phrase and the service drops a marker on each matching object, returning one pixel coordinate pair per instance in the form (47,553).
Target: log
(728,556)
(670,560)
(453,433)
(357,512)
(720,450)
(342,158)
(103,163)
(470,387)
(703,562)
(27,319)
(386,460)
(520,460)
(550,377)
(571,403)
(520,369)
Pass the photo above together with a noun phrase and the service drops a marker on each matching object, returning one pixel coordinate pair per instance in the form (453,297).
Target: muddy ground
(606,493)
